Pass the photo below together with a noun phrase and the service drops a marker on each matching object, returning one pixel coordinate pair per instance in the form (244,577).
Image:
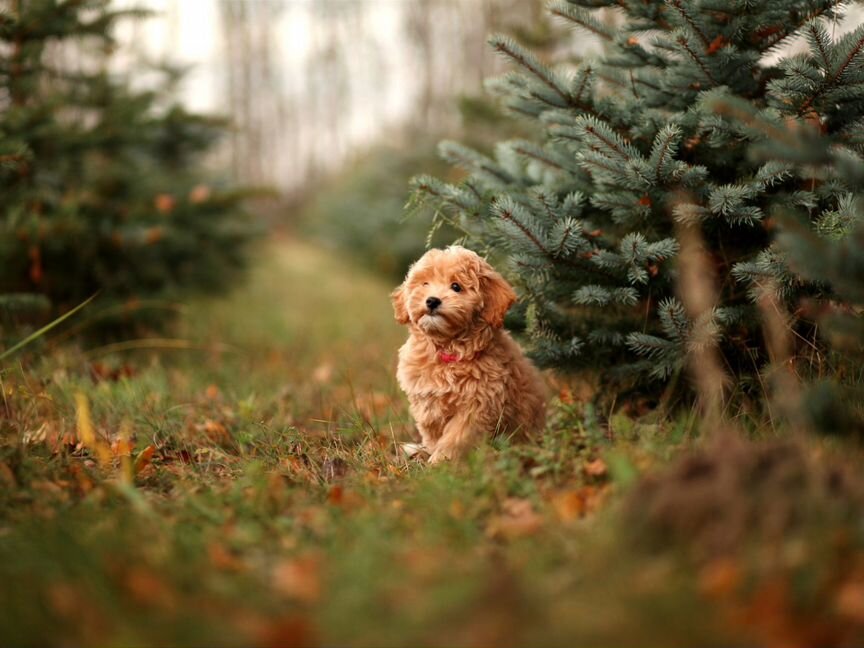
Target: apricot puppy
(464,375)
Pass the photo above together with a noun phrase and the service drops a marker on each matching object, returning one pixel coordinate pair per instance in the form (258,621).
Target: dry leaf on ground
(517,519)
(596,468)
(298,579)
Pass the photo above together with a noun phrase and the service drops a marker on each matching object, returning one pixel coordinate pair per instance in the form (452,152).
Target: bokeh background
(335,104)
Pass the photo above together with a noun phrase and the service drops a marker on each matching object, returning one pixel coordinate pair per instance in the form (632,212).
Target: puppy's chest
(440,381)
(447,388)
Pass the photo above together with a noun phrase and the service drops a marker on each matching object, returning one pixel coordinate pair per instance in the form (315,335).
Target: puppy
(464,375)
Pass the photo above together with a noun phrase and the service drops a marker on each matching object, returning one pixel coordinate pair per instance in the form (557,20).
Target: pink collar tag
(448,357)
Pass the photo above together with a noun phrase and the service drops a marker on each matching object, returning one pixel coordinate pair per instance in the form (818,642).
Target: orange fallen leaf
(719,578)
(290,632)
(343,498)
(596,468)
(298,579)
(222,558)
(850,601)
(518,519)
(82,479)
(216,431)
(146,587)
(122,447)
(574,504)
(143,459)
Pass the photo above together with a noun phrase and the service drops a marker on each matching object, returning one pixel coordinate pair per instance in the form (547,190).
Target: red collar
(448,357)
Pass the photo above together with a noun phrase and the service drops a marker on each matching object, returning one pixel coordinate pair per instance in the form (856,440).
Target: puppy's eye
(456,287)
(425,283)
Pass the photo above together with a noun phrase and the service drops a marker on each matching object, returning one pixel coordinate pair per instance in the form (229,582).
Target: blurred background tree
(360,210)
(101,185)
(631,148)
(827,252)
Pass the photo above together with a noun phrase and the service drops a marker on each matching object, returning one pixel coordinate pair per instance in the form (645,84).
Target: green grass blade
(37,334)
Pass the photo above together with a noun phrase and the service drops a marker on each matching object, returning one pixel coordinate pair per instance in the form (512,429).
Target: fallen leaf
(596,468)
(298,579)
(719,578)
(574,504)
(147,588)
(343,498)
(375,476)
(143,459)
(217,432)
(322,373)
(87,433)
(850,601)
(518,519)
(297,468)
(82,479)
(291,632)
(222,558)
(122,447)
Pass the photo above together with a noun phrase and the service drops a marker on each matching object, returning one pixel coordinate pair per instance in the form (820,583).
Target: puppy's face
(448,292)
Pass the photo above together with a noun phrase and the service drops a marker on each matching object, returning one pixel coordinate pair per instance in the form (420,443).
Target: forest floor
(243,484)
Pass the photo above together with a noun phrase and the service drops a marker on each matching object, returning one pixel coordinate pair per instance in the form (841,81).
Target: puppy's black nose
(432,303)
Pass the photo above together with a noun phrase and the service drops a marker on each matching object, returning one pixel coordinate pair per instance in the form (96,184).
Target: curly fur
(488,387)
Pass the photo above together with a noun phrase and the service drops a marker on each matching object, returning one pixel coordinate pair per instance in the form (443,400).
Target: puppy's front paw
(439,455)
(415,451)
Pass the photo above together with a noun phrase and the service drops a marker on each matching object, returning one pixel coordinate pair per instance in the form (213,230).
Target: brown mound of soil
(713,500)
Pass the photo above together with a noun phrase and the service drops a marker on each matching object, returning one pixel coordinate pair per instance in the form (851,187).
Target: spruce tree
(100,183)
(634,143)
(826,254)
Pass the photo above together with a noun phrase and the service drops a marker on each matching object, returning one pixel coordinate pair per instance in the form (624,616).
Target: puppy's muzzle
(432,303)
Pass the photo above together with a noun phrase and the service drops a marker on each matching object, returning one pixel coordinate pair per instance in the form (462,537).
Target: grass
(265,501)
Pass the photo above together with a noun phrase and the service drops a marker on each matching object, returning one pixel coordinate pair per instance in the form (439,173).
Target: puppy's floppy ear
(498,297)
(400,309)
